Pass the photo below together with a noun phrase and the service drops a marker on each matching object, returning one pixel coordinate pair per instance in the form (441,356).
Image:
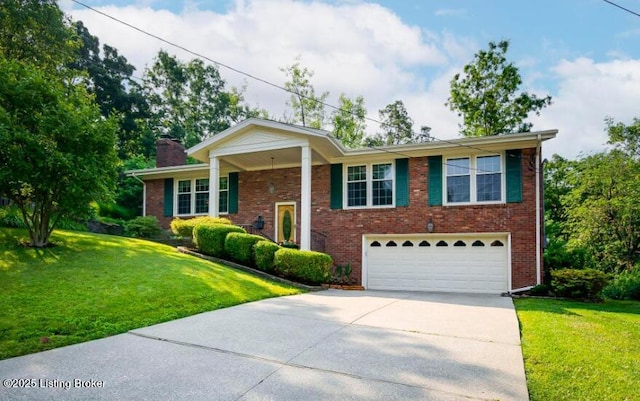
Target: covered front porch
(273,164)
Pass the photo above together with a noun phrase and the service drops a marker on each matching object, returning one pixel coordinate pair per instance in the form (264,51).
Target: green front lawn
(91,286)
(581,351)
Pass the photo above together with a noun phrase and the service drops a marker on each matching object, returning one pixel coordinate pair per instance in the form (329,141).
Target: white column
(214,185)
(305,201)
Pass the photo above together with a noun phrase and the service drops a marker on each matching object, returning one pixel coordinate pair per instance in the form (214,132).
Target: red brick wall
(170,153)
(345,228)
(155,201)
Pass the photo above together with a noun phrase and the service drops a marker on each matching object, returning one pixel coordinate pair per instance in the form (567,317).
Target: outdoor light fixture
(259,223)
(430,225)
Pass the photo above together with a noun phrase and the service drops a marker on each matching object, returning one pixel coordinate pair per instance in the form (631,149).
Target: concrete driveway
(329,345)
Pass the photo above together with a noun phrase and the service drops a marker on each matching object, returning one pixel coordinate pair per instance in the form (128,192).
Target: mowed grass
(581,351)
(91,286)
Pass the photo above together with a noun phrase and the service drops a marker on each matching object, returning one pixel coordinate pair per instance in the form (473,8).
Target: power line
(264,81)
(622,8)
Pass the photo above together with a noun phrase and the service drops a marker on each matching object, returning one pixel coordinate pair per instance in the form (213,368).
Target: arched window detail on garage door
(407,243)
(460,243)
(391,243)
(375,243)
(477,243)
(497,243)
(424,243)
(442,243)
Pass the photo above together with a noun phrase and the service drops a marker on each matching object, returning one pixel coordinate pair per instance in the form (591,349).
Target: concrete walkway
(329,345)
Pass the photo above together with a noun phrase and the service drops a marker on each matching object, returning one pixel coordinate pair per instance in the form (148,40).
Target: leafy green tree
(487,97)
(308,109)
(625,138)
(36,32)
(397,128)
(188,101)
(58,151)
(349,121)
(110,79)
(603,212)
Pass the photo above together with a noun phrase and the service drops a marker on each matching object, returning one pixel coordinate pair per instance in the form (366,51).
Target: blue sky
(584,53)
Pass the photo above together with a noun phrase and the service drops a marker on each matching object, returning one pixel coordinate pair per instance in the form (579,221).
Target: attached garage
(472,263)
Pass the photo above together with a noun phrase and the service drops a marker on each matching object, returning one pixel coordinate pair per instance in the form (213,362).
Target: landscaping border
(247,269)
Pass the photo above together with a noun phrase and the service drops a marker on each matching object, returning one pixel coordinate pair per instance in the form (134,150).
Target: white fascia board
(160,172)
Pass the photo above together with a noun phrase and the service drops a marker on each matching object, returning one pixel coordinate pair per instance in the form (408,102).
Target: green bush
(10,216)
(578,283)
(625,285)
(209,238)
(540,290)
(184,228)
(239,246)
(305,266)
(142,227)
(559,256)
(115,211)
(265,252)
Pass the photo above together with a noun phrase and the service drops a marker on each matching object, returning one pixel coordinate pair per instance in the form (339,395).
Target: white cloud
(587,93)
(450,12)
(365,49)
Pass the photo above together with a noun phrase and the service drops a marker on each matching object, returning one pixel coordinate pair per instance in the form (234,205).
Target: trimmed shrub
(578,283)
(305,266)
(625,285)
(239,246)
(265,252)
(142,227)
(540,290)
(209,238)
(184,228)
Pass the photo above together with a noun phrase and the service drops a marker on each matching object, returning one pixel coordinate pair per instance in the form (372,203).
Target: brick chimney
(170,152)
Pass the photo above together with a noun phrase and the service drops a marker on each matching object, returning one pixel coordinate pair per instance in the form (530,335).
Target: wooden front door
(285,222)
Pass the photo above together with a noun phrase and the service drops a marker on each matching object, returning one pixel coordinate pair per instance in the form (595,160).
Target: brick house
(463,215)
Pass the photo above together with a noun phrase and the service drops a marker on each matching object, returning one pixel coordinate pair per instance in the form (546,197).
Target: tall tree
(349,121)
(58,152)
(308,108)
(36,32)
(397,127)
(189,101)
(110,79)
(487,97)
(625,138)
(603,210)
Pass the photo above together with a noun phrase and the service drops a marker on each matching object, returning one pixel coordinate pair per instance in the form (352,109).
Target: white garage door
(437,263)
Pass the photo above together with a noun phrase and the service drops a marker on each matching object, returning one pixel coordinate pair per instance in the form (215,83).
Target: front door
(285,222)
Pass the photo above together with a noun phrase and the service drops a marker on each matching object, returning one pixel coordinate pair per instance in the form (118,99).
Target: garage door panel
(465,268)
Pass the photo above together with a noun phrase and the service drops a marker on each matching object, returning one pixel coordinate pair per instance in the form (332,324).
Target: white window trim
(219,192)
(193,196)
(369,181)
(473,162)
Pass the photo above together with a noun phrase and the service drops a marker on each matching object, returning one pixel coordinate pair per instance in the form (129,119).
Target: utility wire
(622,8)
(264,81)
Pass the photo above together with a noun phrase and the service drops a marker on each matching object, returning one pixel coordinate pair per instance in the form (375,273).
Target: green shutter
(233,193)
(435,180)
(514,175)
(402,182)
(335,184)
(168,197)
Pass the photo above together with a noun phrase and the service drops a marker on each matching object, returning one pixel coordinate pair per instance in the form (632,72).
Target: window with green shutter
(233,193)
(402,182)
(335,185)
(435,180)
(514,175)
(168,197)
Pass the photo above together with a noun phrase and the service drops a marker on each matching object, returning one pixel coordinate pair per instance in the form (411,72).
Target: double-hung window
(370,185)
(474,179)
(193,196)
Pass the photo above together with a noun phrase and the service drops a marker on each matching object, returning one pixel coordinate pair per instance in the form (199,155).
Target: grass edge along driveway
(91,286)
(580,351)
